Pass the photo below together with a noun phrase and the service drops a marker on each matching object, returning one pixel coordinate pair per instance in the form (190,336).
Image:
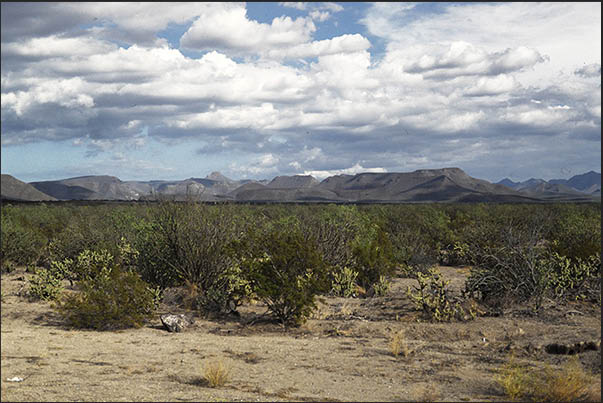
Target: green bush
(284,269)
(372,257)
(88,228)
(335,229)
(19,244)
(154,261)
(417,233)
(113,299)
(45,285)
(576,233)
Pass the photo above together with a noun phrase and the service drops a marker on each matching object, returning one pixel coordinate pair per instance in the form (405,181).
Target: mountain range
(425,185)
(587,183)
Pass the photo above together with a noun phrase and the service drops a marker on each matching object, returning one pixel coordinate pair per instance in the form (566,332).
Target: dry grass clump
(398,345)
(216,374)
(513,379)
(427,393)
(569,383)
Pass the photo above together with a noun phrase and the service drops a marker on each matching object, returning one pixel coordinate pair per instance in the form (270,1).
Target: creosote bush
(372,258)
(18,244)
(111,298)
(187,243)
(284,269)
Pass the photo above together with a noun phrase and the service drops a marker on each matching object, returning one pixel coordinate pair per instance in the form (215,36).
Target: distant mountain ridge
(424,185)
(587,183)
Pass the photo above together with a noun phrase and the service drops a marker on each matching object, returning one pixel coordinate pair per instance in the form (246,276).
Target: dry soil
(341,354)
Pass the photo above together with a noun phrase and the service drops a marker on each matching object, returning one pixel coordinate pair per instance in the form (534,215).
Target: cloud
(333,7)
(229,30)
(262,165)
(131,22)
(349,43)
(488,86)
(303,6)
(320,16)
(495,27)
(592,70)
(299,5)
(281,101)
(462,58)
(357,168)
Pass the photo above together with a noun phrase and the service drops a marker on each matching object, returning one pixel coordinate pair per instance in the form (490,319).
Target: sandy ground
(341,354)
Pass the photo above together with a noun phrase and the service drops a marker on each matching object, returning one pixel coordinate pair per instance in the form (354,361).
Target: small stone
(14,379)
(175,323)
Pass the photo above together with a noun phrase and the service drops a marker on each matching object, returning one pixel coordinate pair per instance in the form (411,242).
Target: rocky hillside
(14,189)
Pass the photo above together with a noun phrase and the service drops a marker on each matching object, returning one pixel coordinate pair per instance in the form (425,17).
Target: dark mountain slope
(12,188)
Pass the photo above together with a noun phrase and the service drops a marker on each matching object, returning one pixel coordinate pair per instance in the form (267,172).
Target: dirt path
(342,354)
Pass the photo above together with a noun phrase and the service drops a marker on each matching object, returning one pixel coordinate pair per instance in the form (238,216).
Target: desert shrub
(433,298)
(88,228)
(127,254)
(416,233)
(113,299)
(89,263)
(216,374)
(154,263)
(344,282)
(45,285)
(567,384)
(372,257)
(284,269)
(570,383)
(19,244)
(509,265)
(335,229)
(190,243)
(577,231)
(520,262)
(8,266)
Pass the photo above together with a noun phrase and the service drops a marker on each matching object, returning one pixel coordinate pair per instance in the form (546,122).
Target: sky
(170,91)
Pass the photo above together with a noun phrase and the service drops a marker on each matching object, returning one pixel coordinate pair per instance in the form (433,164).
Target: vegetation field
(422,302)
